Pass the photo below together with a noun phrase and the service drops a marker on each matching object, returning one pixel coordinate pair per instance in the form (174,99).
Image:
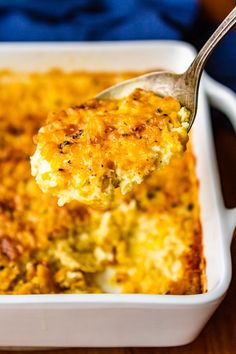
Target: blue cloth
(82,20)
(222,63)
(85,20)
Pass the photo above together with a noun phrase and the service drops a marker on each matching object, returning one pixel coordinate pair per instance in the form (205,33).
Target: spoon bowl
(162,83)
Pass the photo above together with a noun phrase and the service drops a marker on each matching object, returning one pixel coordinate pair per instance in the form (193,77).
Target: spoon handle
(195,70)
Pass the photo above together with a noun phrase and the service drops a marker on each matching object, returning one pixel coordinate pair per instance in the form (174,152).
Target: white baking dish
(128,320)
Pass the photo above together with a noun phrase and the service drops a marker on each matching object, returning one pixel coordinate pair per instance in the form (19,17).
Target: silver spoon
(183,87)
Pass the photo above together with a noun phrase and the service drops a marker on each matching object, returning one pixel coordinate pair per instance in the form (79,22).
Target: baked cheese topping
(86,151)
(149,242)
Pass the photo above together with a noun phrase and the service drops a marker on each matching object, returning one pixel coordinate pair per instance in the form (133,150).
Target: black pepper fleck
(61,145)
(151,194)
(125,134)
(78,134)
(190,206)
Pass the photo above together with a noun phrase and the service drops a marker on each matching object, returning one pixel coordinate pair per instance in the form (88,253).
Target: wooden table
(219,335)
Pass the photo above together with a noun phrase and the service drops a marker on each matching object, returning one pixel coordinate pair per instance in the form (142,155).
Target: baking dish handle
(223,99)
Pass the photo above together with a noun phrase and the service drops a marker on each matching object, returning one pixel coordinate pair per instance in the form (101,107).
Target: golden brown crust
(86,151)
(49,249)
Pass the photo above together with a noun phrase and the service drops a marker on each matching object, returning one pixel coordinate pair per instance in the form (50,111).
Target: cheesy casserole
(148,242)
(86,151)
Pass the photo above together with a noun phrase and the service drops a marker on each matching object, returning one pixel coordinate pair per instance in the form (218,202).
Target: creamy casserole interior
(148,242)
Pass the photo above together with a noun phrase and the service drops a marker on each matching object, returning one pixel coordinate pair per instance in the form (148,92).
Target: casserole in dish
(125,320)
(149,241)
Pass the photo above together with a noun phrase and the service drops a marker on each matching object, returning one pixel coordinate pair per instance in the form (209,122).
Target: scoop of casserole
(85,152)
